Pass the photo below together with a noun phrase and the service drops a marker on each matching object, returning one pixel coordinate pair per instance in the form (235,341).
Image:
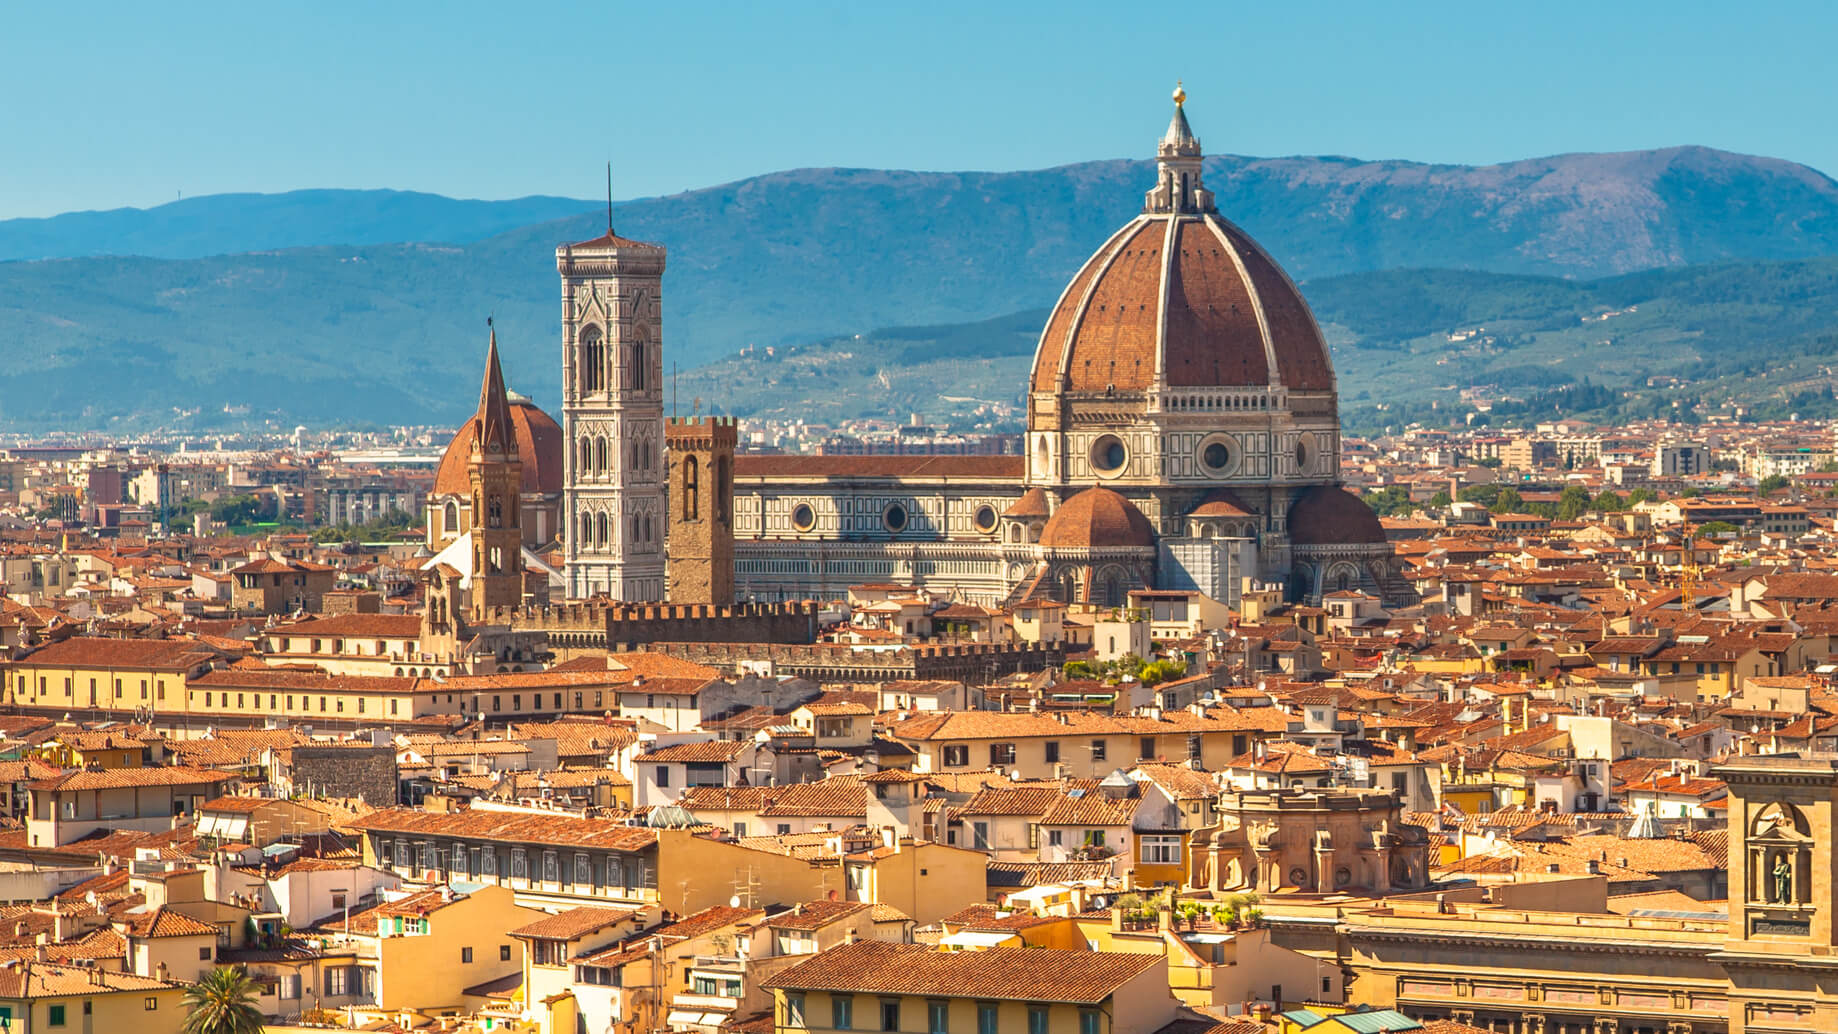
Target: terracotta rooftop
(1016,974)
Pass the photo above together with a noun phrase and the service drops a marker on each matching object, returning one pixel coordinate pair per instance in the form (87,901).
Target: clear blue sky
(108,104)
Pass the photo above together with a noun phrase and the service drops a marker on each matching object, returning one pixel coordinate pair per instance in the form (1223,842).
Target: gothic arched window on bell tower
(495,515)
(692,489)
(641,362)
(592,360)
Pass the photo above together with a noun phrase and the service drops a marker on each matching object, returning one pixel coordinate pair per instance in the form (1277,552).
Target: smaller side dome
(1097,518)
(1033,503)
(1220,503)
(1328,515)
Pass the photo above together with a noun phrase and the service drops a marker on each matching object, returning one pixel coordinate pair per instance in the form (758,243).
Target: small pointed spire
(494,416)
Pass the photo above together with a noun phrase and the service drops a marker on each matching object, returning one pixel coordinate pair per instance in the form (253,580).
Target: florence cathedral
(1182,433)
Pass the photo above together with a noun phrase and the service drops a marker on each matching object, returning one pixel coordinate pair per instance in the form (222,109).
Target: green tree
(1508,501)
(1642,495)
(1389,501)
(1490,462)
(1771,483)
(1440,499)
(1572,503)
(1711,529)
(1608,502)
(222,1003)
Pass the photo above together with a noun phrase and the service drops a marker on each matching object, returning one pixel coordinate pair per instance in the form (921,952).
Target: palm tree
(222,1003)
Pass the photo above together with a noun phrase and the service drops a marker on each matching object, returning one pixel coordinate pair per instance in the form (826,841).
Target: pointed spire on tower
(1179,139)
(494,416)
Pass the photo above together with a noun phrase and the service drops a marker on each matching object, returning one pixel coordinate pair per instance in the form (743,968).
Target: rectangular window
(466,956)
(504,953)
(583,870)
(336,980)
(979,835)
(986,1013)
(551,867)
(794,1010)
(890,1016)
(1054,837)
(1036,1019)
(1193,744)
(842,1012)
(520,864)
(663,775)
(488,861)
(937,1017)
(55,1015)
(957,755)
(1001,754)
(1161,849)
(1052,751)
(1148,748)
(1097,750)
(1088,1021)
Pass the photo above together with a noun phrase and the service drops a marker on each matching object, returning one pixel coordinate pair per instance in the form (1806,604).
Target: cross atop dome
(1178,189)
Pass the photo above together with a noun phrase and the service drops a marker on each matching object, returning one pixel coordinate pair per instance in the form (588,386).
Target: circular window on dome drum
(803,518)
(1217,457)
(894,518)
(1301,454)
(984,519)
(1109,454)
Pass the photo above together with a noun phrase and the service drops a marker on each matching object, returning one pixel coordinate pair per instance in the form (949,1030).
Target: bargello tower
(613,417)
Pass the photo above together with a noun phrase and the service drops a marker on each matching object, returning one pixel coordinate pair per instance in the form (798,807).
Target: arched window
(494,517)
(600,531)
(724,488)
(600,455)
(692,489)
(592,359)
(584,530)
(584,456)
(648,537)
(641,362)
(451,523)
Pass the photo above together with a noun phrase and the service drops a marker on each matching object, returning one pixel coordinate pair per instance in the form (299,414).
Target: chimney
(850,937)
(161,972)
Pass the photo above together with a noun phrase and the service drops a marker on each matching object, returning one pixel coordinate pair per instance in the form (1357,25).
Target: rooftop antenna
(609,198)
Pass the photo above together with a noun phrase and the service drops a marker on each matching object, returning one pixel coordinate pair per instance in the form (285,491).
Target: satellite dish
(734,902)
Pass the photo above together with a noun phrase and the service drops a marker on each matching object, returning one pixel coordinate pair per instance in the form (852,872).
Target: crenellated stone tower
(614,510)
(701,539)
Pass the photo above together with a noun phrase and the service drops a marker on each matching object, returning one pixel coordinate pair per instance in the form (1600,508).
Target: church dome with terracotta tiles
(539,451)
(1097,518)
(1180,298)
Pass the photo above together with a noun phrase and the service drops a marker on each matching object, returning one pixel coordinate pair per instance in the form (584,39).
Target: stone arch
(590,366)
(692,488)
(450,520)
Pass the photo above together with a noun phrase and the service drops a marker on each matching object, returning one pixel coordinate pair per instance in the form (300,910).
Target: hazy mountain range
(330,305)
